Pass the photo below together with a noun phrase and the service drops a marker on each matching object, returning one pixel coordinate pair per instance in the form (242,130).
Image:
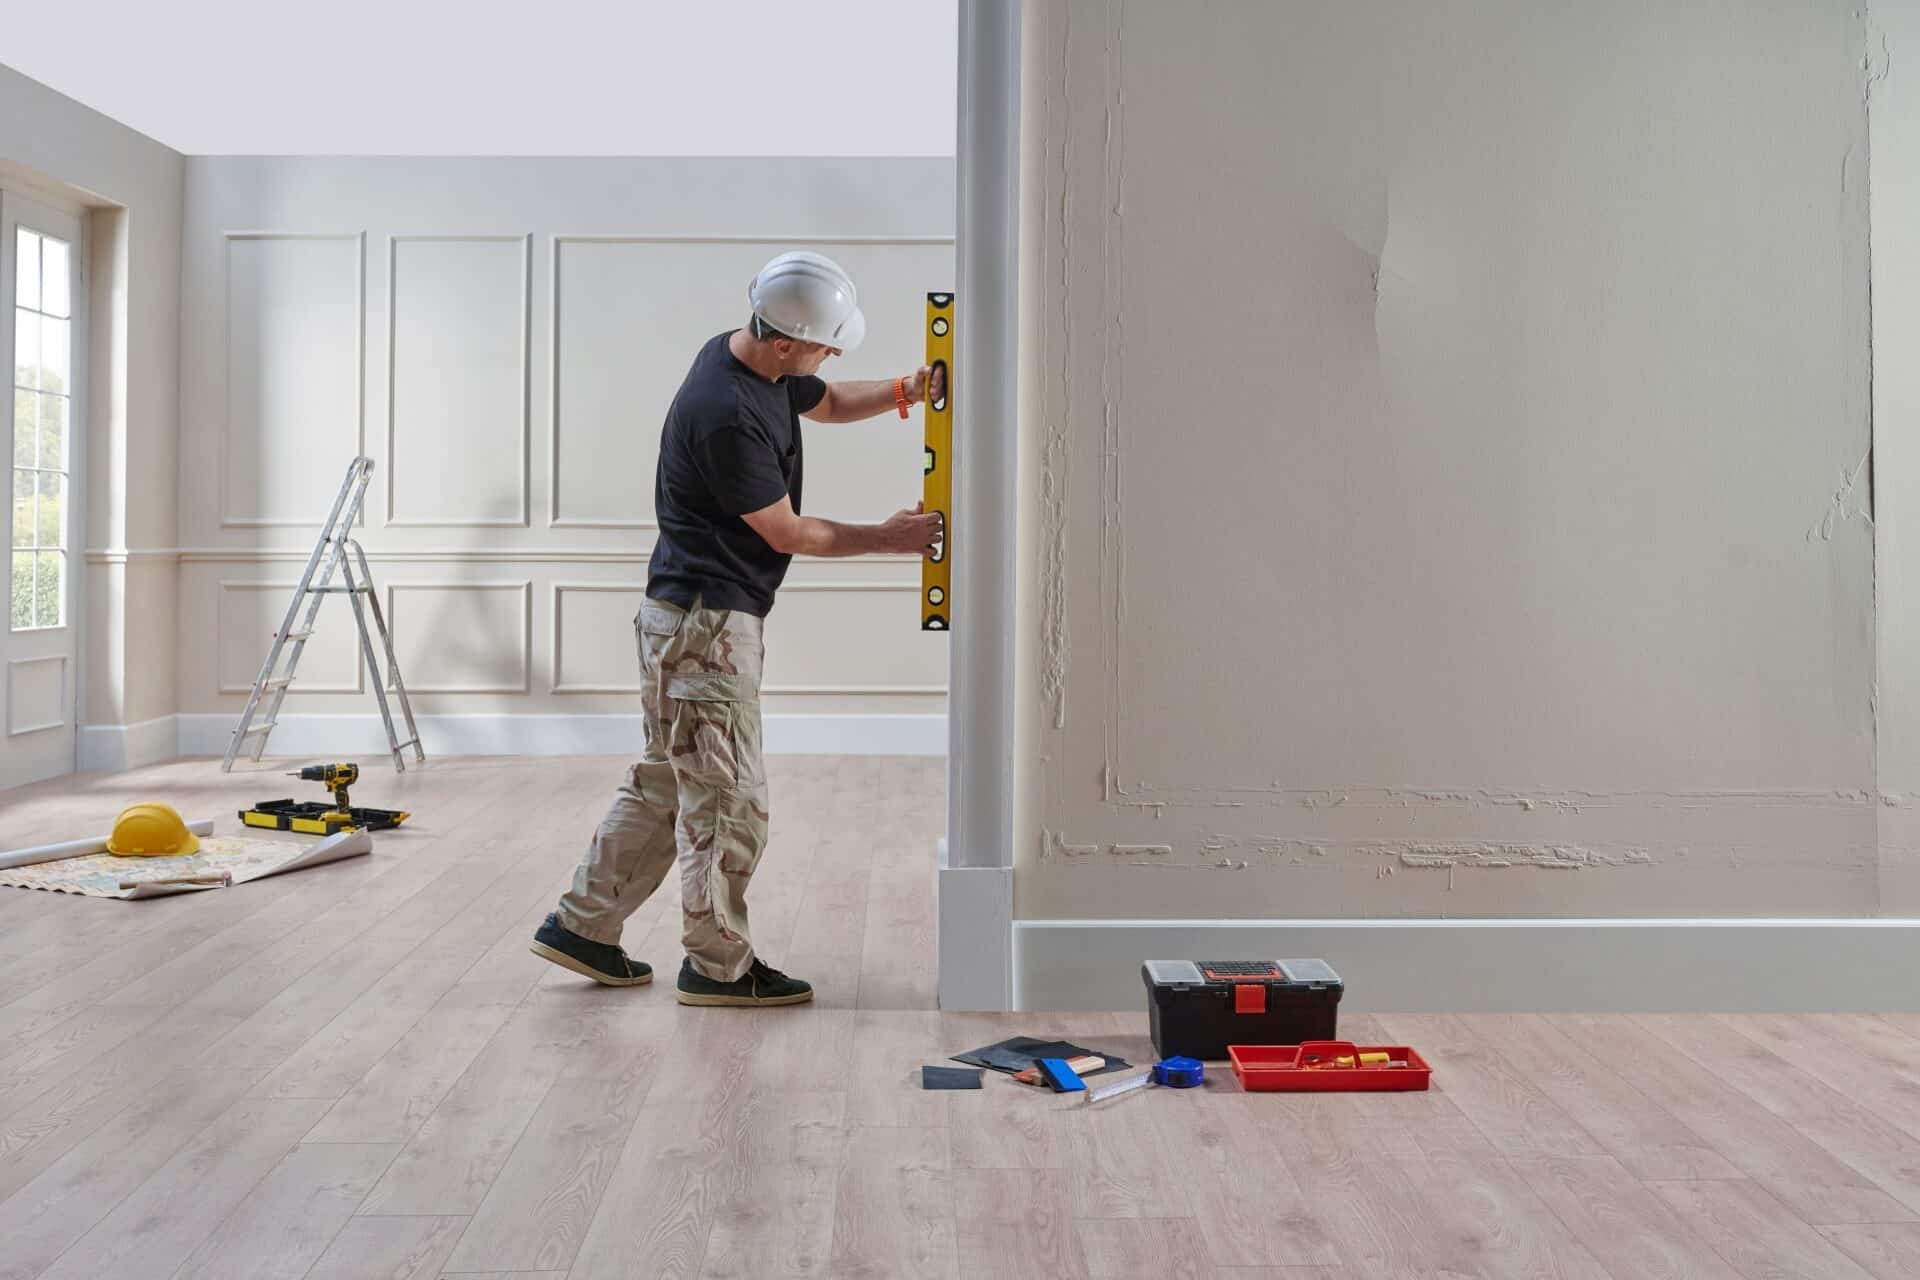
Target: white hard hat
(807,296)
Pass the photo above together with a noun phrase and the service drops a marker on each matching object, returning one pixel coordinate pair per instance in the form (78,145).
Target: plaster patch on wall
(1559,800)
(1054,847)
(1548,857)
(1231,852)
(1849,500)
(1055,457)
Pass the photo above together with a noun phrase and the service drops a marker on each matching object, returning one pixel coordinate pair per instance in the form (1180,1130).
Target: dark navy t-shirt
(731,445)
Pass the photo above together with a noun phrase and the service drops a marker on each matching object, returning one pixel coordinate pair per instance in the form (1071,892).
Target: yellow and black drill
(319,819)
(335,778)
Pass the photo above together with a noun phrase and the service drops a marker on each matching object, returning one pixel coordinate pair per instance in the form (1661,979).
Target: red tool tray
(1289,1067)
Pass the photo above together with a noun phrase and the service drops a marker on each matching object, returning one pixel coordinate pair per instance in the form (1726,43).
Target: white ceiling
(484,77)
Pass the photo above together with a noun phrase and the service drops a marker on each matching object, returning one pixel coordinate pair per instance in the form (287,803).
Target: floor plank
(1887,1250)
(280,1230)
(361,1070)
(388,1248)
(1759,1233)
(1765,1148)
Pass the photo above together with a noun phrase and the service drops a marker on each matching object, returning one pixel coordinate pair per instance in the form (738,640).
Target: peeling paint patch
(1848,501)
(1150,850)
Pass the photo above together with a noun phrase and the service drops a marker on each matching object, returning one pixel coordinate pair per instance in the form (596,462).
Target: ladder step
(339,591)
(259,728)
(295,635)
(280,683)
(410,742)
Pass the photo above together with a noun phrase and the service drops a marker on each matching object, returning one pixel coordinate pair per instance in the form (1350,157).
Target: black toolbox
(1199,1007)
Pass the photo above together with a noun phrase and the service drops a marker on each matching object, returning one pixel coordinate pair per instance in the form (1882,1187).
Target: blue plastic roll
(1179,1073)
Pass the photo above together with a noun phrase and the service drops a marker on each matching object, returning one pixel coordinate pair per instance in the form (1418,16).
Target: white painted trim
(563,735)
(1501,966)
(359,238)
(112,748)
(128,555)
(66,686)
(463,555)
(986,417)
(524,519)
(974,937)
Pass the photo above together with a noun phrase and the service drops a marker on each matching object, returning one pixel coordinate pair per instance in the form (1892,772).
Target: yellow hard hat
(151,830)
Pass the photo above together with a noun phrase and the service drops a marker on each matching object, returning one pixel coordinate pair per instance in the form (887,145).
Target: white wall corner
(112,748)
(975,937)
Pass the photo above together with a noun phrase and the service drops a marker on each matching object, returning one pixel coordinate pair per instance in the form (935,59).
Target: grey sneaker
(761,984)
(604,963)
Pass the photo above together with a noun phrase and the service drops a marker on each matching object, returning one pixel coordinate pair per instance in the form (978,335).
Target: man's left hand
(922,377)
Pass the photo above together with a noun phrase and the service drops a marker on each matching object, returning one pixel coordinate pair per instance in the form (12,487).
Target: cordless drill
(335,778)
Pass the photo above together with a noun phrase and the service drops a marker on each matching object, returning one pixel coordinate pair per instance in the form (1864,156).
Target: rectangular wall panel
(36,693)
(248,614)
(463,637)
(854,637)
(594,646)
(630,314)
(294,374)
(457,380)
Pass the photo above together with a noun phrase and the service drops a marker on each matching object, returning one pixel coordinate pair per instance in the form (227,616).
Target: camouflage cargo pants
(699,792)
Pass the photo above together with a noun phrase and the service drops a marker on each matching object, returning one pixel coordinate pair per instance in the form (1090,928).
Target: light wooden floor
(359,1071)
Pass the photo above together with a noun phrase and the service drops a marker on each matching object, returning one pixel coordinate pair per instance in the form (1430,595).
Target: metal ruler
(936,577)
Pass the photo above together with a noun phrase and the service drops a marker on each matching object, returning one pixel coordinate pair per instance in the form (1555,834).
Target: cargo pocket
(657,618)
(715,734)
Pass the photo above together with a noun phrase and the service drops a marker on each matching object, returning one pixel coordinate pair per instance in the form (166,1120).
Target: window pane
(49,598)
(26,350)
(27,275)
(24,412)
(56,278)
(53,508)
(23,508)
(22,613)
(53,355)
(53,431)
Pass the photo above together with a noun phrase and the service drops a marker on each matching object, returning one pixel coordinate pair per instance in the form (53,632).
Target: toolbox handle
(1328,1050)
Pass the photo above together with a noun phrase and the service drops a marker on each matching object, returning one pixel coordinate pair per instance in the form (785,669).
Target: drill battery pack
(316,817)
(1197,1008)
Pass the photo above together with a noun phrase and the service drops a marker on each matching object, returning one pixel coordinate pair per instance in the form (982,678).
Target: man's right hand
(915,530)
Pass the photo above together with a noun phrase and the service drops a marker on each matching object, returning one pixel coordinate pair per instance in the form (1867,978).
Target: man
(727,496)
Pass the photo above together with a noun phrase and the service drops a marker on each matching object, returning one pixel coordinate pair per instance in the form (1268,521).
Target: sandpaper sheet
(1021,1052)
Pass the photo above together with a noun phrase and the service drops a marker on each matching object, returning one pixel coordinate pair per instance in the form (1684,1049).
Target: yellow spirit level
(936,578)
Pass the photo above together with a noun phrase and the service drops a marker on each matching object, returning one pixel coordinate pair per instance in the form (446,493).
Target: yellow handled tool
(936,578)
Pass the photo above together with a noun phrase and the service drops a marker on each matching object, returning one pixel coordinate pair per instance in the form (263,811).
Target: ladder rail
(333,553)
(355,470)
(393,667)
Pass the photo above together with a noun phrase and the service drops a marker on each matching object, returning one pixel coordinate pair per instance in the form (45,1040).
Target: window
(42,414)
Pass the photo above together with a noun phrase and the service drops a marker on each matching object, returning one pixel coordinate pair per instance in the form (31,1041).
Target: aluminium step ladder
(335,552)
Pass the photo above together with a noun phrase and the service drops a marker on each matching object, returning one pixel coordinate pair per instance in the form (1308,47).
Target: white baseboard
(1503,966)
(551,735)
(110,748)
(974,937)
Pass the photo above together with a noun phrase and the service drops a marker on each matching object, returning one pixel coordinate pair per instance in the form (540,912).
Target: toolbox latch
(1250,998)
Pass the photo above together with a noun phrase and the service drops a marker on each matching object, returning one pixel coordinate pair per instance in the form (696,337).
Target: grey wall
(1448,424)
(133,186)
(503,337)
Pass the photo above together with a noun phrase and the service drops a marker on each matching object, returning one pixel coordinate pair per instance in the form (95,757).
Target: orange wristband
(900,395)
